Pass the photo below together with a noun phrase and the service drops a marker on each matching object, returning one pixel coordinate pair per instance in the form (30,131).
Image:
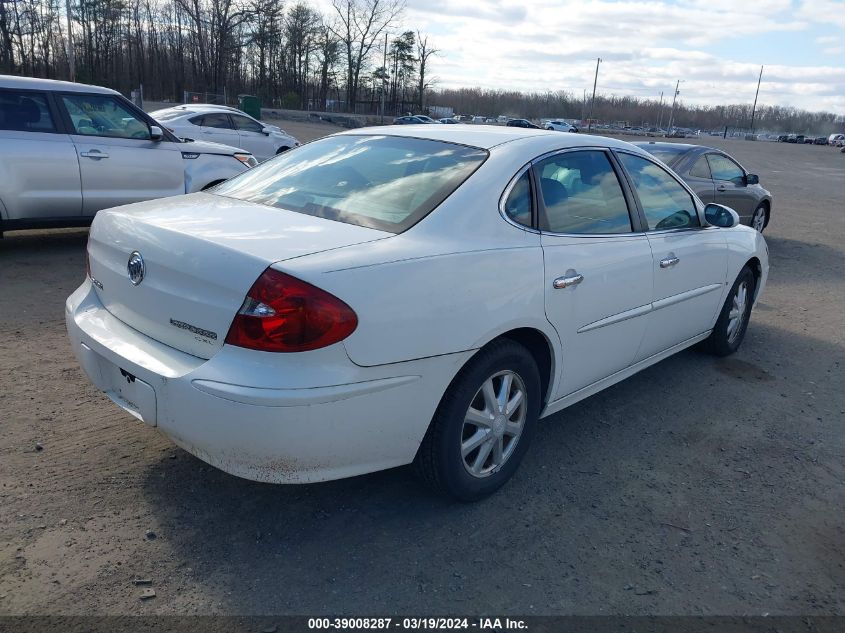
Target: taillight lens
(284,314)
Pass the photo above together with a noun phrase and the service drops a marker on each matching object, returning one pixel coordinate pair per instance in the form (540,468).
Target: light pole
(674,98)
(593,102)
(660,111)
(757,94)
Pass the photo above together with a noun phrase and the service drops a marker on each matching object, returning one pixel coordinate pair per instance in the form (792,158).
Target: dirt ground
(699,486)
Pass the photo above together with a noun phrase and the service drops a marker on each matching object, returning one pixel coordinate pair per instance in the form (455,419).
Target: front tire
(483,425)
(730,328)
(758,220)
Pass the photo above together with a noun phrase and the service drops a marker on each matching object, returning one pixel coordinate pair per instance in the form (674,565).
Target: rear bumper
(282,418)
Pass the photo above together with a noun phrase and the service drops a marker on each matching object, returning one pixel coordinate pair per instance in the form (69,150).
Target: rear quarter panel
(453,282)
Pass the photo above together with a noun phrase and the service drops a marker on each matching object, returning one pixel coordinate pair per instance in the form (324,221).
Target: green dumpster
(251,105)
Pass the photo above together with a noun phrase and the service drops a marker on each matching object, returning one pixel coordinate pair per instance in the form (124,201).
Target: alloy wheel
(493,423)
(758,222)
(737,314)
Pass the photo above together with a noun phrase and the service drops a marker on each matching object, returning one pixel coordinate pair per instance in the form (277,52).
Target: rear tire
(282,150)
(730,328)
(482,427)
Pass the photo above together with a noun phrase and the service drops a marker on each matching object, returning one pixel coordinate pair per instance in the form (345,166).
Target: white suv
(68,150)
(223,124)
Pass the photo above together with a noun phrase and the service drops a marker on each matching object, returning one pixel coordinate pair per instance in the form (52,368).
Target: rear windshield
(665,153)
(382,182)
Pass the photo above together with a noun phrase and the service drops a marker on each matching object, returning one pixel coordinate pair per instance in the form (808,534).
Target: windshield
(382,182)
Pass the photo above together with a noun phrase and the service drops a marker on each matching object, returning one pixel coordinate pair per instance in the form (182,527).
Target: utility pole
(593,102)
(660,111)
(757,94)
(672,114)
(71,60)
(383,77)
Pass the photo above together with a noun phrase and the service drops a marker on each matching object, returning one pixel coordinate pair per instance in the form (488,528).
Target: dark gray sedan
(717,177)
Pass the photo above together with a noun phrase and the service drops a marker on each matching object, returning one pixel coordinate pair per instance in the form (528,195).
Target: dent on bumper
(286,422)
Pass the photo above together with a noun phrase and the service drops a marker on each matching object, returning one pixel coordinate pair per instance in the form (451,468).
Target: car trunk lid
(201,254)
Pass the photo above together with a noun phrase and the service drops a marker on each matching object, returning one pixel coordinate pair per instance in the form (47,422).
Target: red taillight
(284,314)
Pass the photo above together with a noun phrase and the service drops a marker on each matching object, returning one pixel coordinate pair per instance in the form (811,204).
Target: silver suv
(68,150)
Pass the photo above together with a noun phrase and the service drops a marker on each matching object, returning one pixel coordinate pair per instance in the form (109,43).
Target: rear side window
(518,203)
(701,169)
(25,112)
(382,182)
(582,195)
(217,120)
(666,204)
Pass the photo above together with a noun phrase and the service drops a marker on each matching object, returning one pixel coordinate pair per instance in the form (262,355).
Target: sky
(715,47)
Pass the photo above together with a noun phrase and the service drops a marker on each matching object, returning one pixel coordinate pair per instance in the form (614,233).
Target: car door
(597,265)
(689,265)
(252,137)
(731,188)
(217,128)
(39,172)
(700,180)
(118,161)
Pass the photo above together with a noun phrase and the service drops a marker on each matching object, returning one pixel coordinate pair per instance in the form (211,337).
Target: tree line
(289,54)
(353,57)
(636,111)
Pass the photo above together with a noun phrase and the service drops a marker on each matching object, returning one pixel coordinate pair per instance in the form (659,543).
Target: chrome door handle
(668,262)
(566,282)
(94,153)
(721,188)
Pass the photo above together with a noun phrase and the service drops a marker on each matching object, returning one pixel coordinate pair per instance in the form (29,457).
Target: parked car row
(68,150)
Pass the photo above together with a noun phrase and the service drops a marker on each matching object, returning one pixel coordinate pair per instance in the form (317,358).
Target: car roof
(684,146)
(52,85)
(489,136)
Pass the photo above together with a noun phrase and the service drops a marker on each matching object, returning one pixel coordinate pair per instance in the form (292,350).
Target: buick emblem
(135,267)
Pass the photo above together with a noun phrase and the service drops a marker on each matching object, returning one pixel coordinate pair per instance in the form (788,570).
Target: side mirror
(752,179)
(155,133)
(267,131)
(721,216)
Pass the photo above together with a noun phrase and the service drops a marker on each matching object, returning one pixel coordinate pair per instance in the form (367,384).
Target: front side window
(246,124)
(666,204)
(25,112)
(383,182)
(581,194)
(518,203)
(724,168)
(102,115)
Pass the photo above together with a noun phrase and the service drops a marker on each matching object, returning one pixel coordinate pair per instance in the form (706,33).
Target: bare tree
(424,52)
(361,24)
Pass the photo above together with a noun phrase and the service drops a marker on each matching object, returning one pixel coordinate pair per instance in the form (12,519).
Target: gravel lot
(700,486)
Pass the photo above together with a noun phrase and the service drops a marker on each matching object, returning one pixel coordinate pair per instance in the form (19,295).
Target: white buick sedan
(405,294)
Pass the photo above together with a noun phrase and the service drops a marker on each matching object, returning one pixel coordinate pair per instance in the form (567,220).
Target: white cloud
(645,45)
